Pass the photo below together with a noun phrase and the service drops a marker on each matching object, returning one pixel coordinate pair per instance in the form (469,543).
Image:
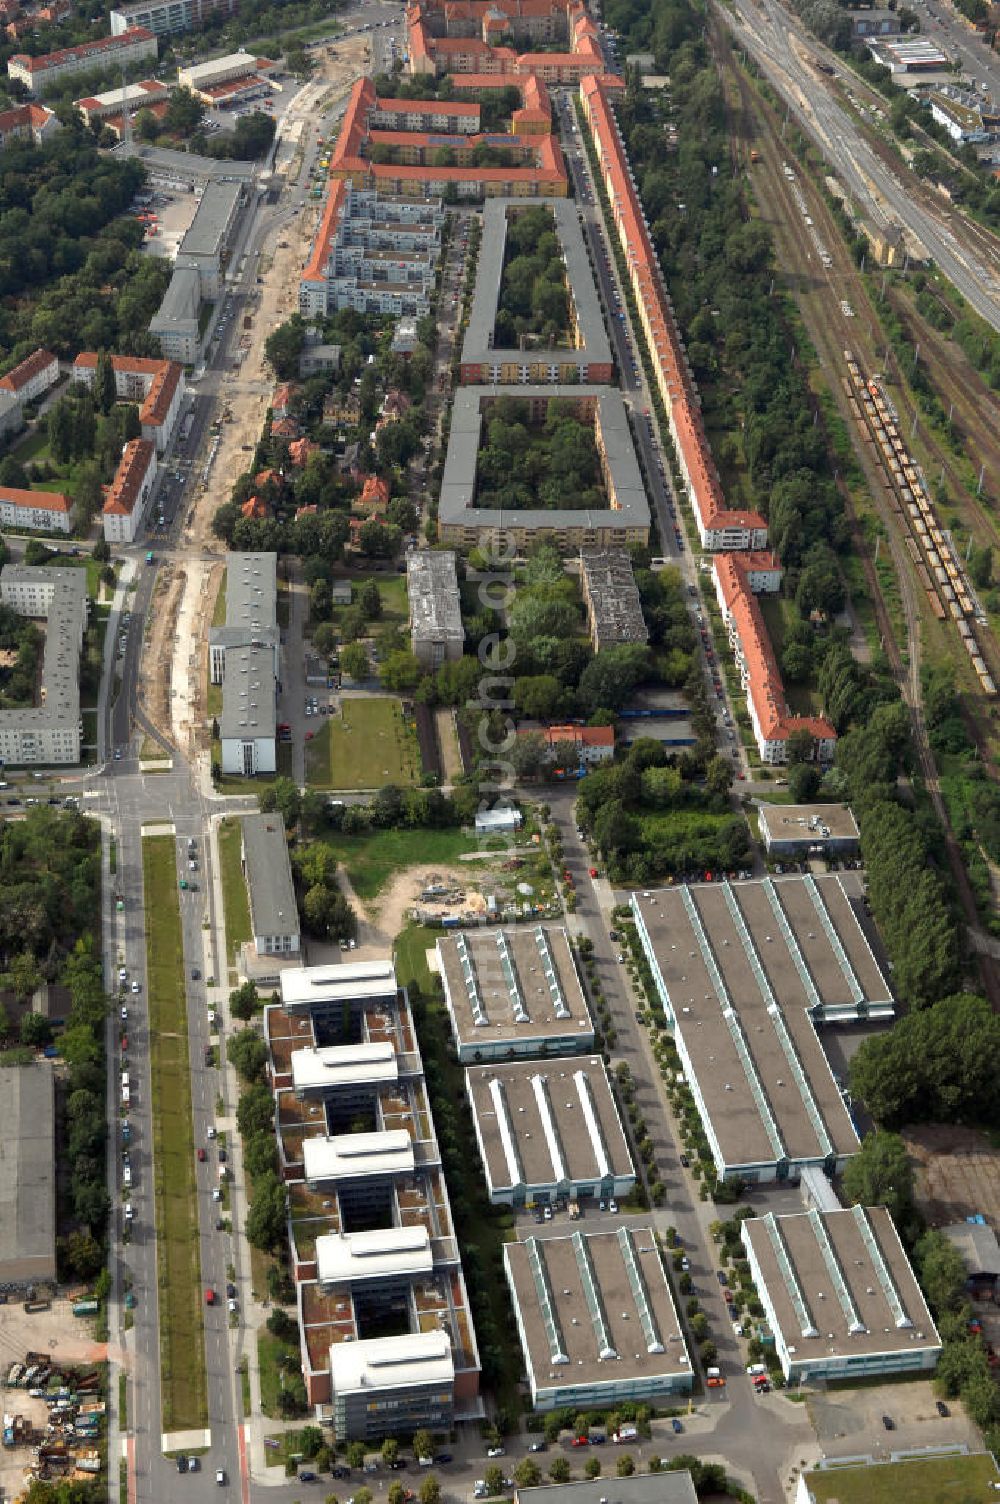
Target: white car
(135,986)
(129,1211)
(496,1451)
(124,1014)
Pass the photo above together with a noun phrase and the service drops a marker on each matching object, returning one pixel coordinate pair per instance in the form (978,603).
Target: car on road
(193,1464)
(182,1464)
(220,1476)
(685,1162)
(210,1297)
(124,1013)
(720,1275)
(676,1426)
(202,1156)
(135,986)
(307,1477)
(580,1441)
(592,871)
(441,1458)
(230,1290)
(539,1446)
(195,974)
(496,1451)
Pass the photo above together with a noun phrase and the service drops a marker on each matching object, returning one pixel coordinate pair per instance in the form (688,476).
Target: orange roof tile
(45,501)
(123,492)
(29,368)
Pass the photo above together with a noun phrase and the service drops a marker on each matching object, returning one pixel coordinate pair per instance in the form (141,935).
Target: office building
(28,1175)
(274,917)
(745,973)
(625,518)
(386,1334)
(40,74)
(839,1294)
(49,732)
(126,498)
(31,378)
(156,385)
(800,830)
(596,1319)
(168,17)
(585,357)
(436,630)
(513,993)
(549,1130)
(207,242)
(177,321)
(611,596)
(914,1479)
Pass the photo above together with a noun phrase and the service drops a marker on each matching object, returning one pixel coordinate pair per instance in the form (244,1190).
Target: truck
(714,1378)
(625,1432)
(149,556)
(86,1308)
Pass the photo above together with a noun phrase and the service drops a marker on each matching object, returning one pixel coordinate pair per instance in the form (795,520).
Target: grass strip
(235,902)
(183,1383)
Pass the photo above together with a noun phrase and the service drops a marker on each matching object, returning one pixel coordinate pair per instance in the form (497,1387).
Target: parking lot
(174,211)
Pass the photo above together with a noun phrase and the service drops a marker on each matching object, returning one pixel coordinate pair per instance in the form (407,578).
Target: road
(773,36)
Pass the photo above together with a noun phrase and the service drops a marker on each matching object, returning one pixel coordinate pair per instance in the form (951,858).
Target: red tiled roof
(164,378)
(300,451)
(28,369)
(255,508)
(285,428)
(430,107)
(45,501)
(85,50)
(133,468)
(315,268)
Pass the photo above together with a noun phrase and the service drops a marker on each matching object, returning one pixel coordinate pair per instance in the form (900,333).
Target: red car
(581,1441)
(210,1297)
(592,871)
(201,1155)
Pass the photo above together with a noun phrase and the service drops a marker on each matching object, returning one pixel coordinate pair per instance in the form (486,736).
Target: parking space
(174,212)
(842,1416)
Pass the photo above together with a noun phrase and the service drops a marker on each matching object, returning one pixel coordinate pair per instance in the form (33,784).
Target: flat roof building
(587,355)
(596,1319)
(514,993)
(547,1129)
(341,1158)
(243,657)
(436,631)
(206,242)
(392,1384)
(801,828)
(611,596)
(167,17)
(27,1174)
(745,974)
(173,169)
(200,77)
(641,1488)
(274,915)
(839,1294)
(624,520)
(325,989)
(49,732)
(176,322)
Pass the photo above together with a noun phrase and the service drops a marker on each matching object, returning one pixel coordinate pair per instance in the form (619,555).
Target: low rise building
(610,594)
(31,378)
(513,993)
(318,359)
(596,1319)
(169,17)
(593,744)
(41,74)
(586,357)
(49,732)
(27,122)
(745,973)
(624,520)
(274,917)
(739,579)
(213,80)
(248,724)
(28,1176)
(34,511)
(548,1130)
(133,97)
(805,829)
(183,170)
(156,385)
(436,631)
(840,1296)
(128,495)
(874,23)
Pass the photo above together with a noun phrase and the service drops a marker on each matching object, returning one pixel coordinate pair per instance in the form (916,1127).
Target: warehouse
(624,520)
(513,993)
(587,356)
(839,1294)
(596,1319)
(808,829)
(745,974)
(548,1130)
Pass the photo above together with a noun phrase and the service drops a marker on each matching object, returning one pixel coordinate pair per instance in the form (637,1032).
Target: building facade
(34,511)
(168,17)
(49,732)
(156,385)
(128,495)
(274,915)
(40,74)
(31,378)
(244,657)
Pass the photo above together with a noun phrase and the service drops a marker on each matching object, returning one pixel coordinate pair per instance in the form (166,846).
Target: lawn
(365,746)
(235,902)
(270,1351)
(778,615)
(182,1342)
(219,614)
(411,947)
(372,859)
(925,1480)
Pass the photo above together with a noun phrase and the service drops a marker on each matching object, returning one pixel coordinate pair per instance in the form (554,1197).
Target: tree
(592,1467)
(625,1466)
(609,678)
(370,600)
(260,1154)
(84,1254)
(397,1493)
(282,1326)
(244,1002)
(36,1031)
(493,1478)
(423,1444)
(354,660)
(390,1451)
(401,672)
(942,1272)
(247,1052)
(284,346)
(880,1174)
(803,782)
(255,1111)
(559,1470)
(265,1223)
(527,1474)
(933,1065)
(310,1441)
(430,1491)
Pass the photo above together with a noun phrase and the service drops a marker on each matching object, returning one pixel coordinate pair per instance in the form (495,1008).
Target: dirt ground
(451,757)
(380,921)
(957,1173)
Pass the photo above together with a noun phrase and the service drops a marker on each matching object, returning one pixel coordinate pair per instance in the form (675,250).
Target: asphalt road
(769,31)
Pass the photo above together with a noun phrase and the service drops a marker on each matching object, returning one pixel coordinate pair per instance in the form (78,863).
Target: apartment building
(128,495)
(49,732)
(386,1333)
(720,527)
(156,385)
(611,596)
(624,520)
(587,356)
(40,74)
(739,579)
(436,630)
(27,122)
(34,511)
(169,17)
(592,745)
(373,253)
(177,321)
(32,377)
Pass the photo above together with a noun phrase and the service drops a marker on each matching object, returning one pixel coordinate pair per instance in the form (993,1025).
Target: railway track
(822,288)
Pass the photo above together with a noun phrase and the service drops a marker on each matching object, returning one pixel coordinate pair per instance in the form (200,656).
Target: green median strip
(183,1384)
(235,904)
